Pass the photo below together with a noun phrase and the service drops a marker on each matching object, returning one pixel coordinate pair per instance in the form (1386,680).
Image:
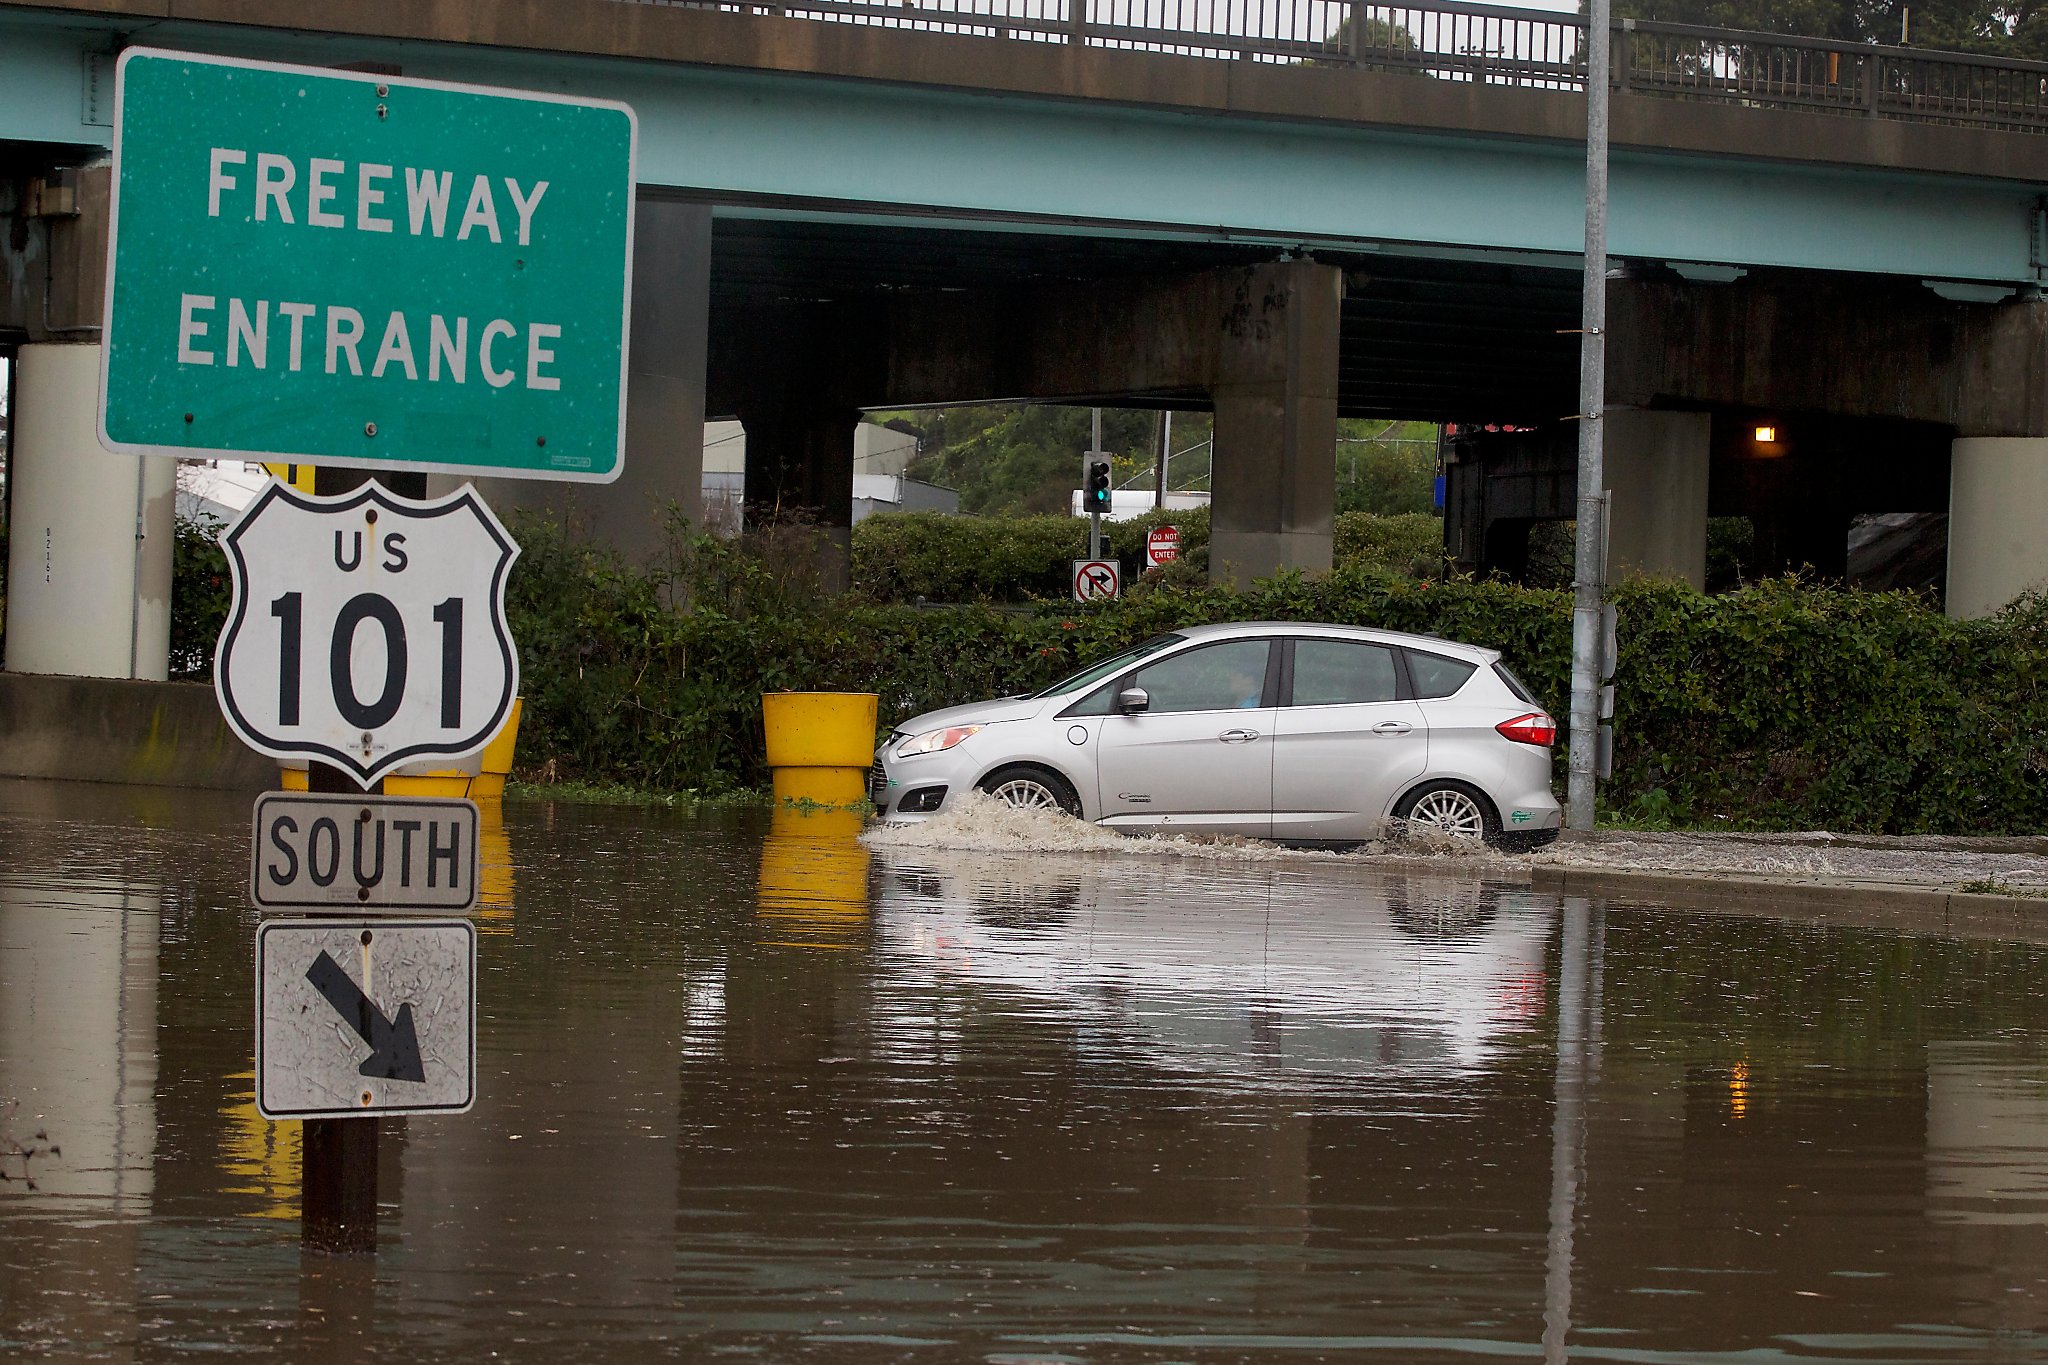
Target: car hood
(975,713)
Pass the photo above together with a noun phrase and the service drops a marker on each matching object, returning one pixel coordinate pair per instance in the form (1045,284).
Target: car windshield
(1095,673)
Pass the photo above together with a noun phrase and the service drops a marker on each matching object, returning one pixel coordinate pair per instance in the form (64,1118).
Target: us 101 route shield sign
(338,268)
(366,630)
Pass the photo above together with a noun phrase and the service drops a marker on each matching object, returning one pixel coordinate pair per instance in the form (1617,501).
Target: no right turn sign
(1096,580)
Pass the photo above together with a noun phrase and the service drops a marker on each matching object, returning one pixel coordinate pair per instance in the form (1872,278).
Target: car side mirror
(1132,700)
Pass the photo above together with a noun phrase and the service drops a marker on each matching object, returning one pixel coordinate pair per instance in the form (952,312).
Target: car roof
(1431,643)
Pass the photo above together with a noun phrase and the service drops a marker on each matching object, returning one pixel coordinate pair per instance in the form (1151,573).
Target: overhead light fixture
(1766,436)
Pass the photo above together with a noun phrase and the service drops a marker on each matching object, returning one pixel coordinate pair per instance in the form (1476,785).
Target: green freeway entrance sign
(323,266)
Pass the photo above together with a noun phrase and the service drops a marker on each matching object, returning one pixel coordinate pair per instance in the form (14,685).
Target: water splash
(976,822)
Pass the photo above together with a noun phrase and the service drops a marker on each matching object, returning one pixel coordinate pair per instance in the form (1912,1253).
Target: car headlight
(936,741)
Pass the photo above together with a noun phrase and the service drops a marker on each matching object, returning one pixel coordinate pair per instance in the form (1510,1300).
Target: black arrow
(394,1046)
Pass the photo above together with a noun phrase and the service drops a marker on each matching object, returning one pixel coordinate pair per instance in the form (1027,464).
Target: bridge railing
(1495,45)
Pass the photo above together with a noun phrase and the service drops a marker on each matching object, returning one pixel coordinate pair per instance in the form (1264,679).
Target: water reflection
(746,1089)
(1582,958)
(497,876)
(813,890)
(1264,973)
(262,1158)
(77,1106)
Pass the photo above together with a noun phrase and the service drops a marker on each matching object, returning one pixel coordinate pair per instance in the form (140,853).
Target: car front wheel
(1451,808)
(1028,788)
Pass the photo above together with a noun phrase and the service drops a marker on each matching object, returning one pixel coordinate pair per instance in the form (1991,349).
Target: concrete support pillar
(800,469)
(1273,490)
(1657,472)
(89,545)
(1998,504)
(664,471)
(796,374)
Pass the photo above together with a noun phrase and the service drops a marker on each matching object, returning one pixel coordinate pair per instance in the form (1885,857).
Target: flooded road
(766,1093)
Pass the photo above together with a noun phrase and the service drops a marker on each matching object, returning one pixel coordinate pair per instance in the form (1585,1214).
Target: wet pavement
(767,1093)
(2015,866)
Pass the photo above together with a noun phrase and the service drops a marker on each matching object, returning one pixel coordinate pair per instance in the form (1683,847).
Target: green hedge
(905,556)
(1785,705)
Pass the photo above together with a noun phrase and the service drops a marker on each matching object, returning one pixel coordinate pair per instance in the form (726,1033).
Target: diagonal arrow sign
(394,1046)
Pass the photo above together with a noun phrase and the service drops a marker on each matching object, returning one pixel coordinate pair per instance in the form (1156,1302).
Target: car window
(1109,667)
(1342,672)
(1220,677)
(1436,676)
(1100,702)
(1515,685)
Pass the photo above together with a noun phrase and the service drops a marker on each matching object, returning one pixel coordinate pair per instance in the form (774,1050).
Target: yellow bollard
(480,777)
(820,745)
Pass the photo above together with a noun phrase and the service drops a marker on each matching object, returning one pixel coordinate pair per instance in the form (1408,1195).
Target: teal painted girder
(872,148)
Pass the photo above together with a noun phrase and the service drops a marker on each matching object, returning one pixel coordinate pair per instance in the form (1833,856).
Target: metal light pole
(1095,453)
(1589,576)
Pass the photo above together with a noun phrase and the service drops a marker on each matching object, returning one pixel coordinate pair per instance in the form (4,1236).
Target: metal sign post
(338,1157)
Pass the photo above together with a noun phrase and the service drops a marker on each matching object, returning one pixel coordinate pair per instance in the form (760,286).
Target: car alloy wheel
(1450,808)
(1031,789)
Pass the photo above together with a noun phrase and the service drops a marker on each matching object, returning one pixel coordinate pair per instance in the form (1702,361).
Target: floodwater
(769,1094)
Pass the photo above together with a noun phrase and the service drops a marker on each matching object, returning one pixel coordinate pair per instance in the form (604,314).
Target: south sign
(367,630)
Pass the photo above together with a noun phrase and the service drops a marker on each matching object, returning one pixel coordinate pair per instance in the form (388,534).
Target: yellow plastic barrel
(820,745)
(480,777)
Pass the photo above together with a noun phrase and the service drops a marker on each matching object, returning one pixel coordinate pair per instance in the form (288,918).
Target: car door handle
(1392,727)
(1238,736)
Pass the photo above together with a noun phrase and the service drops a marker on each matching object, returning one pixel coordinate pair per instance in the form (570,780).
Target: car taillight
(1534,728)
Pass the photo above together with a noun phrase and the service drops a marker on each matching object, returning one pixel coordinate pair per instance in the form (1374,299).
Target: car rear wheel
(1028,788)
(1450,808)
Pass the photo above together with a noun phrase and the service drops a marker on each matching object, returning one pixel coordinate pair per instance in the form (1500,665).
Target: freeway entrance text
(365,270)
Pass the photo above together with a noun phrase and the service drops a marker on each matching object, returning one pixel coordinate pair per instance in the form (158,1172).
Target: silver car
(1306,734)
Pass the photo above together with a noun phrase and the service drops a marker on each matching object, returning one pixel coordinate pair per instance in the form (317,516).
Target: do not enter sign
(1162,545)
(367,630)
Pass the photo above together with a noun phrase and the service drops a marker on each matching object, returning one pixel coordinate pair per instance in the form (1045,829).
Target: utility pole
(1165,458)
(1589,577)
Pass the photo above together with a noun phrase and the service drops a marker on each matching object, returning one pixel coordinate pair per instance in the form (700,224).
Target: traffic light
(1095,488)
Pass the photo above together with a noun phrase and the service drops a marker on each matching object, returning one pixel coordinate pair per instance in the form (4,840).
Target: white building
(1127,503)
(880,457)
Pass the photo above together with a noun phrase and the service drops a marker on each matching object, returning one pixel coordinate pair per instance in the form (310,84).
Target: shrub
(904,556)
(200,595)
(1782,705)
(1412,543)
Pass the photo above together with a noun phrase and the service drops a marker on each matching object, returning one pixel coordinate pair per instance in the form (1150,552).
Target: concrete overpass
(849,204)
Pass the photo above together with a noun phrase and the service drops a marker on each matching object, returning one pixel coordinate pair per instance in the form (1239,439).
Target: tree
(1017,459)
(2006,28)
(1387,468)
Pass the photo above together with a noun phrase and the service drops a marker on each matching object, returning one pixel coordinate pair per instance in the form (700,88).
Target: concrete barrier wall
(106,730)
